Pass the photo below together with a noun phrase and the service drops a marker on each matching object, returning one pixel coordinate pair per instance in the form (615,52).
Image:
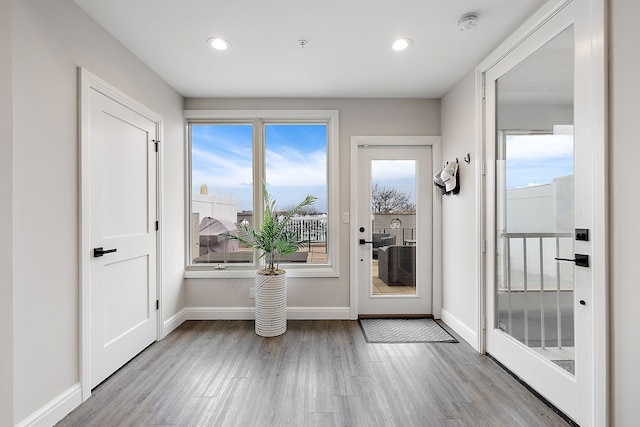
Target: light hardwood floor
(320,373)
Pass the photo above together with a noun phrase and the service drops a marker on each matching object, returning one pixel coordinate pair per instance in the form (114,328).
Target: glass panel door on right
(540,204)
(534,295)
(534,224)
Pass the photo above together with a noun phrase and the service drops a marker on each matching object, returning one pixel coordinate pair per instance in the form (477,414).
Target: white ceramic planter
(271,305)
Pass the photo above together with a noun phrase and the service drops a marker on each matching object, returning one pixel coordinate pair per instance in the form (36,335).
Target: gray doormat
(403,331)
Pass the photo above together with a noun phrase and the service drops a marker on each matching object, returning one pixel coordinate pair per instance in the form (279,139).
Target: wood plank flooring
(320,373)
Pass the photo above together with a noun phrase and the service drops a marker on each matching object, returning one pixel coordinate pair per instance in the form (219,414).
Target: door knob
(98,252)
(362,242)
(581,260)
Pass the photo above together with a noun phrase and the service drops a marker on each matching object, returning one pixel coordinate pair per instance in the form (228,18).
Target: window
(230,155)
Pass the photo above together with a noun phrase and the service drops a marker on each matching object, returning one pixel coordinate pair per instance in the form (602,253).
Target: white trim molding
(248,313)
(87,82)
(56,409)
(434,143)
(258,118)
(173,322)
(465,332)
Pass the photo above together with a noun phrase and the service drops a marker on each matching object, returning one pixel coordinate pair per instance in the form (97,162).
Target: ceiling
(348,54)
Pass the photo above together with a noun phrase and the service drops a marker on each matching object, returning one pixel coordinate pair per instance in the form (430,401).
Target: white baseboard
(56,409)
(219,313)
(247,313)
(466,333)
(318,313)
(173,322)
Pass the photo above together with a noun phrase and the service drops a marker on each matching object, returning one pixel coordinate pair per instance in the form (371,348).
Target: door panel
(123,214)
(126,178)
(395,238)
(534,167)
(127,277)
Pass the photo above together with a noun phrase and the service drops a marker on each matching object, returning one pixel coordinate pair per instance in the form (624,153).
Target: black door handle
(581,260)
(362,242)
(98,252)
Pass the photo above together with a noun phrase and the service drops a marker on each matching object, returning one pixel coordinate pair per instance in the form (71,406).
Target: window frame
(259,118)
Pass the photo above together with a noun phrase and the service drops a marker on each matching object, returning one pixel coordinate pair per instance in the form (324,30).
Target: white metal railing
(309,229)
(517,259)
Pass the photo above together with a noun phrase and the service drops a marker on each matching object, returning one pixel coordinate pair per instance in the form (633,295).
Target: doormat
(404,331)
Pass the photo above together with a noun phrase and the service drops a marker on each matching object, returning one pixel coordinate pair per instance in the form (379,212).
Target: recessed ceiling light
(401,44)
(218,43)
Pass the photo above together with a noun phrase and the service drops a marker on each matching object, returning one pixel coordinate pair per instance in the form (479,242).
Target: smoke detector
(467,22)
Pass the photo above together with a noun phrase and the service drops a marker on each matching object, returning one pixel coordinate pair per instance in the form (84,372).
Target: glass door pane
(393,225)
(534,296)
(394,215)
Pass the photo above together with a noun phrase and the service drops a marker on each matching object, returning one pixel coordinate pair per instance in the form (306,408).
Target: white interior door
(394,230)
(123,225)
(539,310)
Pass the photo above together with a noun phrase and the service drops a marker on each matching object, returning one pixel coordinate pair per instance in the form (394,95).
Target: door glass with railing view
(535,224)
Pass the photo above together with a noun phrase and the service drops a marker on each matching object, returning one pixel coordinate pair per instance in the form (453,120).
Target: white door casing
(429,292)
(119,316)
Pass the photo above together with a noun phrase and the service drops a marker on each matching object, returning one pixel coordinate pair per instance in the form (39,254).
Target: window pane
(296,165)
(222,190)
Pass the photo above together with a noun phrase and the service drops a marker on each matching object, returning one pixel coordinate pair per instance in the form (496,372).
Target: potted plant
(273,240)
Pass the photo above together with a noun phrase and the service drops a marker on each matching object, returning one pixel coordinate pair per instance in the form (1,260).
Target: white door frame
(591,78)
(434,143)
(88,82)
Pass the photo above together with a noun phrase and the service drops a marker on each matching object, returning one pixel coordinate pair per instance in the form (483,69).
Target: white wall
(460,269)
(357,117)
(624,211)
(6,218)
(50,40)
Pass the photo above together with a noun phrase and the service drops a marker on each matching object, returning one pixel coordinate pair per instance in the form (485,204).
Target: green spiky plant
(273,240)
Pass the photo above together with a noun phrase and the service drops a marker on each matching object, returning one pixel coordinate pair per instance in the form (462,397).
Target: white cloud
(223,172)
(292,168)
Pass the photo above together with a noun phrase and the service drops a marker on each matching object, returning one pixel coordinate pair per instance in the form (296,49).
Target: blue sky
(295,157)
(537,159)
(398,174)
(296,162)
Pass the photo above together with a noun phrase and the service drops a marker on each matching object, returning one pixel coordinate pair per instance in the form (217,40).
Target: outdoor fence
(309,229)
(535,303)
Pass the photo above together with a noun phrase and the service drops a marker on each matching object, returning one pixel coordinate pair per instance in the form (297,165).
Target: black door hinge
(157,226)
(156,142)
(157,304)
